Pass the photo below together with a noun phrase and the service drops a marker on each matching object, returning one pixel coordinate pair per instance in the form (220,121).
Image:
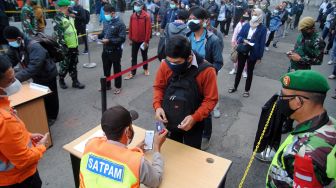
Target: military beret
(305,80)
(306,22)
(63,3)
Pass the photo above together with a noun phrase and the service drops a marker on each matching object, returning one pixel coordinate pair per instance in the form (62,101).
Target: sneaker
(330,62)
(245,74)
(85,52)
(274,45)
(146,72)
(233,71)
(334,97)
(266,155)
(117,91)
(266,48)
(326,52)
(128,77)
(216,113)
(205,143)
(332,76)
(78,85)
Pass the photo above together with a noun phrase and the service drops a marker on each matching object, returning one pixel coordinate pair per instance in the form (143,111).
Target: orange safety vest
(107,165)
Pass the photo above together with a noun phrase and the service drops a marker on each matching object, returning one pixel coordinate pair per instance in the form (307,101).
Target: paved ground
(233,133)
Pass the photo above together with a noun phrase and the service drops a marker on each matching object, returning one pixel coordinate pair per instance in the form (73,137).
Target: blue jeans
(325,32)
(333,51)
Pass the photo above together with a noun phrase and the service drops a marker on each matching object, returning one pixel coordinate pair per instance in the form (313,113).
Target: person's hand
(36,137)
(161,115)
(159,139)
(105,41)
(44,140)
(72,15)
(246,41)
(187,123)
(145,45)
(295,57)
(141,145)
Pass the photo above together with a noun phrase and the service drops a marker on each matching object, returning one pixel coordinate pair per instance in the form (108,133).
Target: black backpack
(182,97)
(50,44)
(87,16)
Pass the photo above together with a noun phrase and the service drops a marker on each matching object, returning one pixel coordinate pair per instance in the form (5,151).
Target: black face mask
(285,108)
(306,34)
(194,26)
(178,68)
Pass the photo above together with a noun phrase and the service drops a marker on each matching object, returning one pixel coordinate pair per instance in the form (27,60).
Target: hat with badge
(63,3)
(305,80)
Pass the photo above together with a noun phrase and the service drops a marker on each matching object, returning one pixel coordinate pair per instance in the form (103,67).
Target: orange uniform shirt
(18,156)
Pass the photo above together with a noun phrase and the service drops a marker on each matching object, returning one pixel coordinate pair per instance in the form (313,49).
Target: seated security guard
(107,162)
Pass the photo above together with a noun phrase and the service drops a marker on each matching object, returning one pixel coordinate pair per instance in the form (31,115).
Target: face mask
(13,88)
(306,34)
(250,6)
(137,8)
(178,68)
(108,17)
(254,18)
(275,12)
(72,3)
(263,7)
(14,44)
(172,6)
(194,25)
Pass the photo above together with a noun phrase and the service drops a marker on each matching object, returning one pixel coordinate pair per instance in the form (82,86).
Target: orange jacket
(207,84)
(18,156)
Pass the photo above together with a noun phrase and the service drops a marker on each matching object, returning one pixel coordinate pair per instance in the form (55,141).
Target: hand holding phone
(149,138)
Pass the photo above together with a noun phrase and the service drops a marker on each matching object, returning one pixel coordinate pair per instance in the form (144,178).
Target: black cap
(116,119)
(11,32)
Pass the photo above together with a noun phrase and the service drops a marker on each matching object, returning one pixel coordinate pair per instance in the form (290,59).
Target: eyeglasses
(291,97)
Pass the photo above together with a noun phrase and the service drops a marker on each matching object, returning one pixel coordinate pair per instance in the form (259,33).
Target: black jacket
(36,63)
(272,135)
(115,32)
(3,24)
(80,24)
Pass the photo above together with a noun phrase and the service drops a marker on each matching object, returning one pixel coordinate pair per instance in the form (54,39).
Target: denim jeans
(333,51)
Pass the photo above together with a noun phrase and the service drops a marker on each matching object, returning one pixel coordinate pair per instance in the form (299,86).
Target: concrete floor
(233,134)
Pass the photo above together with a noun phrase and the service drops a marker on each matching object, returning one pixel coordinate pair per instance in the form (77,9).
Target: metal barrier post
(89,64)
(103,94)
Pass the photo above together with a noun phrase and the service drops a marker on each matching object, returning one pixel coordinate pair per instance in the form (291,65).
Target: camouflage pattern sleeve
(314,52)
(59,30)
(28,20)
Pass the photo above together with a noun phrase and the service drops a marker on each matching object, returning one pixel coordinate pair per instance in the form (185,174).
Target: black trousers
(192,138)
(297,19)
(82,31)
(33,181)
(225,26)
(270,38)
(109,59)
(235,22)
(51,101)
(207,131)
(242,59)
(144,53)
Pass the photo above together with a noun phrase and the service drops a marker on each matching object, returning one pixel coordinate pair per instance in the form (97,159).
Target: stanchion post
(89,64)
(103,94)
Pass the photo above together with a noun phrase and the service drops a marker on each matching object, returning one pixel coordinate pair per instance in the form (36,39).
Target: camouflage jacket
(314,138)
(59,30)
(311,51)
(29,24)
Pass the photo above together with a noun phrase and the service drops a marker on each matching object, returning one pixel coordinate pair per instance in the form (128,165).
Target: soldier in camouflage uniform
(309,47)
(29,24)
(301,160)
(66,35)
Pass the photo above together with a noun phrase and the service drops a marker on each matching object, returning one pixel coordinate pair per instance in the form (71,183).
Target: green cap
(305,80)
(63,3)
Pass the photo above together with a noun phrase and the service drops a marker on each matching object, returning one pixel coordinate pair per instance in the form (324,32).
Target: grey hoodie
(176,28)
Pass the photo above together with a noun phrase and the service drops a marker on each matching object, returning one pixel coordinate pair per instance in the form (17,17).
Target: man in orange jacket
(185,92)
(20,150)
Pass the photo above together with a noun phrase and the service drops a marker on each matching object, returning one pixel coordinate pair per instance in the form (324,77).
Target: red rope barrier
(130,69)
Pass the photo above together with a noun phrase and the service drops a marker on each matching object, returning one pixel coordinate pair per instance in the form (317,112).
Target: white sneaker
(233,71)
(332,76)
(216,113)
(266,48)
(330,62)
(245,74)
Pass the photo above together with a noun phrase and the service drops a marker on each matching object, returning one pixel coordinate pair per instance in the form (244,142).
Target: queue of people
(185,89)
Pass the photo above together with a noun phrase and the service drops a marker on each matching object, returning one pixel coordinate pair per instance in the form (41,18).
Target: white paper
(142,46)
(250,43)
(39,87)
(81,146)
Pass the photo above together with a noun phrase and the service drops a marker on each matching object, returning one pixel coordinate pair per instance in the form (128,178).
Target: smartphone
(149,139)
(159,126)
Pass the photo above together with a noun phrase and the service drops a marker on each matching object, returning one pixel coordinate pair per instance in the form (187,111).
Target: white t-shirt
(251,32)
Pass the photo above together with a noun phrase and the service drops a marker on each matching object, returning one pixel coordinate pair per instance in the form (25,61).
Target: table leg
(222,183)
(75,162)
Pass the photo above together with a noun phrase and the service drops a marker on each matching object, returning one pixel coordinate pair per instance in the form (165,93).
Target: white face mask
(254,18)
(13,88)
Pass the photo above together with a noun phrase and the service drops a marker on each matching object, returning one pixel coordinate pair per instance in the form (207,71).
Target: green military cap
(63,3)
(305,80)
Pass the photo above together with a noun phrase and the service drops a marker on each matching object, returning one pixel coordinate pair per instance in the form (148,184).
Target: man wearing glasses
(301,160)
(308,48)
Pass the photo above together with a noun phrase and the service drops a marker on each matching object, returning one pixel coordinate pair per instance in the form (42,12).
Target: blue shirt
(198,46)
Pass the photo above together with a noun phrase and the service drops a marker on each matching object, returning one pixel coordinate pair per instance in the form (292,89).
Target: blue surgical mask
(137,8)
(14,44)
(108,17)
(172,6)
(178,68)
